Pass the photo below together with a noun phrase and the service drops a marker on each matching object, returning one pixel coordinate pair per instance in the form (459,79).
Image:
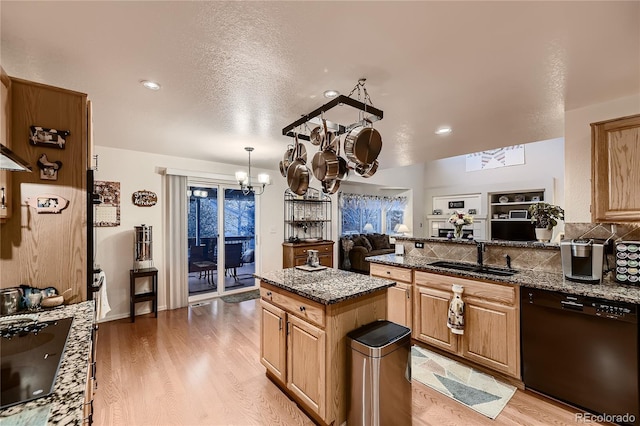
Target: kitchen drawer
(302,251)
(391,272)
(296,305)
(501,293)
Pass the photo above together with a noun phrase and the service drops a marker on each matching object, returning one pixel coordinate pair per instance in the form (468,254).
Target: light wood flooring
(200,366)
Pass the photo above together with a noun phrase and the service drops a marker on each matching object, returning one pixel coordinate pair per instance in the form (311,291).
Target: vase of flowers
(458,220)
(545,216)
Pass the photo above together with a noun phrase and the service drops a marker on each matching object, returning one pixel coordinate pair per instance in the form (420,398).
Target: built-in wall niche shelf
(509,214)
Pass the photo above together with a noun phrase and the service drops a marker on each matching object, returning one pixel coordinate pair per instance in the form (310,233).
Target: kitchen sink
(474,268)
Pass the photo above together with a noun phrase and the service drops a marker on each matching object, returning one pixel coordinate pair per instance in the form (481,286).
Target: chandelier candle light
(458,220)
(244,179)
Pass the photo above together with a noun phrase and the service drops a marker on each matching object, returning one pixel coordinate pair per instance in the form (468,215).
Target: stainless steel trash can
(380,361)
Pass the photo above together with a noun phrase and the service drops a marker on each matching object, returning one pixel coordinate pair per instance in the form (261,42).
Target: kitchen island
(66,405)
(305,318)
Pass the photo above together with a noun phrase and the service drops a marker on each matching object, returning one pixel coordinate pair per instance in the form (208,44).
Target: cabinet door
(306,363)
(615,176)
(273,340)
(430,318)
(399,304)
(326,260)
(491,335)
(5,139)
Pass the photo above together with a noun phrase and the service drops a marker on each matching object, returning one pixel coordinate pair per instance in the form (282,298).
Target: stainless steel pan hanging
(298,172)
(363,145)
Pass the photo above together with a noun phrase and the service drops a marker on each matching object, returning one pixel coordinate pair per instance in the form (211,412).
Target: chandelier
(244,179)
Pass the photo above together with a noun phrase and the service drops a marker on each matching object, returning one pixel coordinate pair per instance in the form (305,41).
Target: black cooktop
(30,353)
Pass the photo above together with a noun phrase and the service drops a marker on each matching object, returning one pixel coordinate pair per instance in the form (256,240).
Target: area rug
(476,390)
(241,297)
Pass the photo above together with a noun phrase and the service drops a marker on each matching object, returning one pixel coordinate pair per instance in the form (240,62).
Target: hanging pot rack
(339,129)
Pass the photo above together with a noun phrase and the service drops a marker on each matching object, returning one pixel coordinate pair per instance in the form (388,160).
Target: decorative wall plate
(144,198)
(52,138)
(48,203)
(503,199)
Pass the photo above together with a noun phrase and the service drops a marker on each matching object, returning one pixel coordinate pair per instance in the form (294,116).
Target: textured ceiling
(234,74)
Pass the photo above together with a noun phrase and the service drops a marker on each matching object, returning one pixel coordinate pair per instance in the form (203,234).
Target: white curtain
(177,274)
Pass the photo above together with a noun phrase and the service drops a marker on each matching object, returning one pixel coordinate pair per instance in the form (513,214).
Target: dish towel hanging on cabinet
(455,320)
(102,304)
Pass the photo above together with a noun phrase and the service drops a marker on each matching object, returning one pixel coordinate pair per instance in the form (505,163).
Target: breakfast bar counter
(66,405)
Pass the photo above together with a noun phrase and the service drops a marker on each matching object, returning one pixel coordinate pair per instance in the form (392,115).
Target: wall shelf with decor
(509,214)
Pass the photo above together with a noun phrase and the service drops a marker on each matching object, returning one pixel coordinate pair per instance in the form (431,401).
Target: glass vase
(457,233)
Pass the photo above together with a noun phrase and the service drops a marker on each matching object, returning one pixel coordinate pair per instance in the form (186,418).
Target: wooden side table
(151,296)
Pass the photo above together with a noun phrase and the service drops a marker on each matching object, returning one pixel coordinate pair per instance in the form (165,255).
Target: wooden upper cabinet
(615,180)
(5,139)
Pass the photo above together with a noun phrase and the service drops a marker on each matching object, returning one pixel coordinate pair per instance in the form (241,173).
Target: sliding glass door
(221,239)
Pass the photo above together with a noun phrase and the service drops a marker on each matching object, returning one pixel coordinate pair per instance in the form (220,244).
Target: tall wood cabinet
(44,250)
(615,180)
(492,323)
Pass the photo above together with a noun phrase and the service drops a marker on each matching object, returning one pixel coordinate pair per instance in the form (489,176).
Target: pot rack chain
(338,129)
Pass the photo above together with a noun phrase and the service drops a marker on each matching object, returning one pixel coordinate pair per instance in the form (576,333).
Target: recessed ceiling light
(331,93)
(443,130)
(151,85)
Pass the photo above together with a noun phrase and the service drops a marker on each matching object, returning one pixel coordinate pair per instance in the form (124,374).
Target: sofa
(360,246)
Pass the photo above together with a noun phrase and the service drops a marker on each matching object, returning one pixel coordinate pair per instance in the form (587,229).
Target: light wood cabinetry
(303,347)
(615,148)
(400,297)
(491,332)
(5,139)
(47,249)
(295,254)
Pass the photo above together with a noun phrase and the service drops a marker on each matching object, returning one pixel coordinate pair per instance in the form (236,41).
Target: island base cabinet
(273,340)
(303,346)
(491,330)
(305,363)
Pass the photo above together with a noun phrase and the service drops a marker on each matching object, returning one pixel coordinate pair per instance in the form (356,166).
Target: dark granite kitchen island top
(328,286)
(609,290)
(65,406)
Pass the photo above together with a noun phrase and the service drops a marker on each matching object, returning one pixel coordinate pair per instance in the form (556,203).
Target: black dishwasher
(583,351)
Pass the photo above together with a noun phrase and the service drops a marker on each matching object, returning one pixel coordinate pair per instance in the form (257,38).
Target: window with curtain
(361,213)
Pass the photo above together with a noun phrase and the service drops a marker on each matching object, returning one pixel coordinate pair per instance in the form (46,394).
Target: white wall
(138,170)
(543,169)
(578,151)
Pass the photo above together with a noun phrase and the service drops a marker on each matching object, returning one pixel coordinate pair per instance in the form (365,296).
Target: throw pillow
(361,240)
(379,241)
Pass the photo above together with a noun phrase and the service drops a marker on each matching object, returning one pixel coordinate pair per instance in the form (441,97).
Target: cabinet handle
(288,324)
(302,309)
(388,272)
(408,293)
(279,324)
(268,294)
(3,202)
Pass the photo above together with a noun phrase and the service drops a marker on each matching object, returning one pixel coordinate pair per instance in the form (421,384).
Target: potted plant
(545,216)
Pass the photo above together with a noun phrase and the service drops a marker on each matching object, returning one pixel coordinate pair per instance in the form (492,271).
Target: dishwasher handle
(570,304)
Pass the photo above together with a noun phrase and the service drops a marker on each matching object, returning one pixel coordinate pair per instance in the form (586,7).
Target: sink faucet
(481,248)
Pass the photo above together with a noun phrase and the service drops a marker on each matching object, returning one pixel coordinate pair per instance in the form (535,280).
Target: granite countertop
(609,289)
(327,286)
(66,405)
